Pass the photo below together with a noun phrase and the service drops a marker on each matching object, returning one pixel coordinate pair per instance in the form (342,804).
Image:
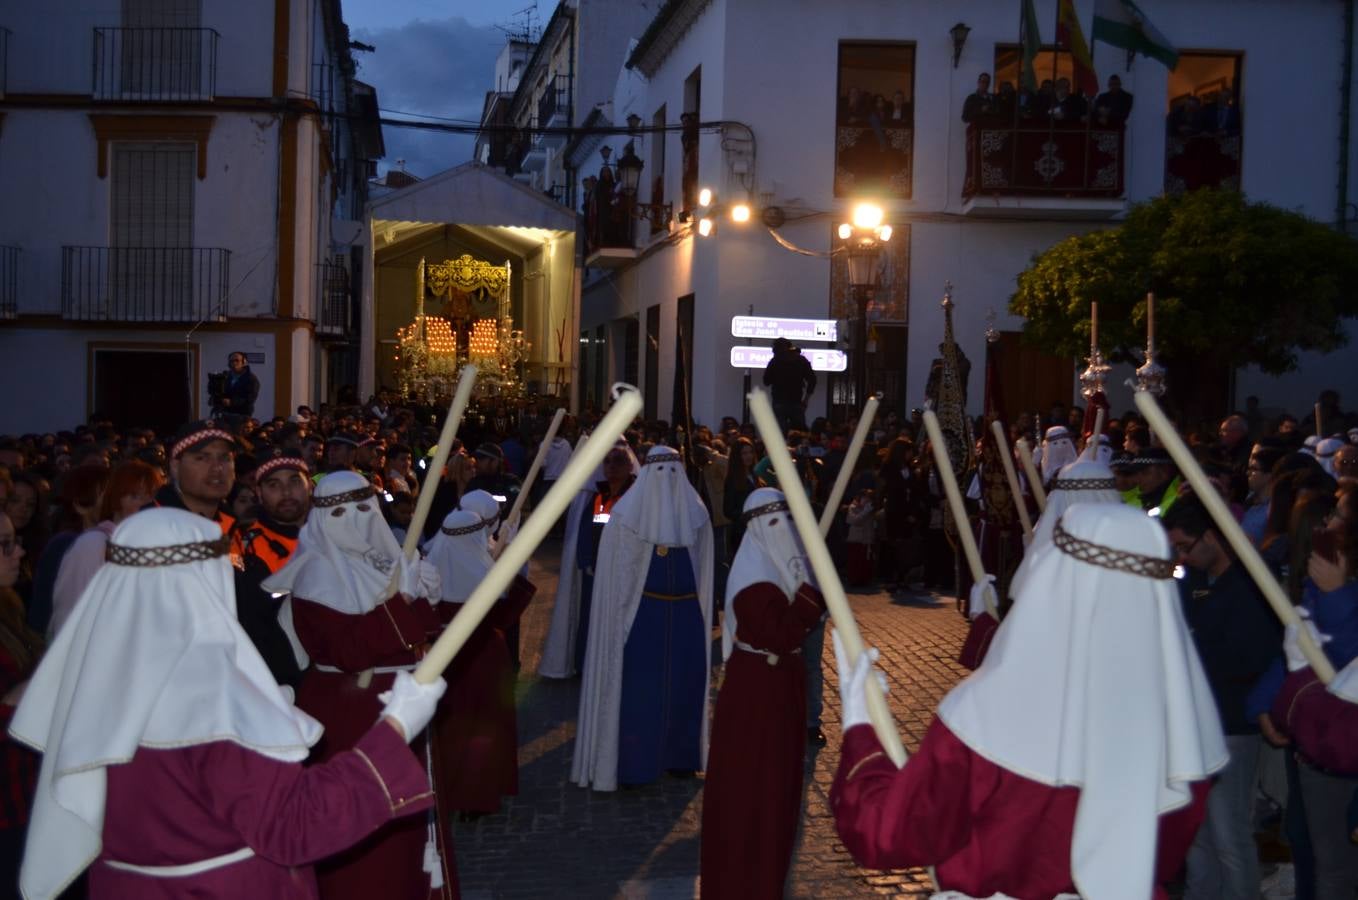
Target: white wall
(773,65)
(57,359)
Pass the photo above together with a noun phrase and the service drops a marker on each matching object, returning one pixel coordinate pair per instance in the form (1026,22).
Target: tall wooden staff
(823,567)
(860,434)
(1092,450)
(1231,530)
(533,470)
(1034,477)
(626,405)
(465,382)
(1002,444)
(959,511)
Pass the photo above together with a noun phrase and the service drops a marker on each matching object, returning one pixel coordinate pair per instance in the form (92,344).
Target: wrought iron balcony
(1044,161)
(155,64)
(4,59)
(9,282)
(333,302)
(1206,159)
(554,108)
(145,284)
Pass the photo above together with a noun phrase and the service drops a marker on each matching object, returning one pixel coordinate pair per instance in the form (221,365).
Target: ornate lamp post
(864,237)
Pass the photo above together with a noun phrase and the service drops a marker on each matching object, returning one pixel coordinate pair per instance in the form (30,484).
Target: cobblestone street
(556,839)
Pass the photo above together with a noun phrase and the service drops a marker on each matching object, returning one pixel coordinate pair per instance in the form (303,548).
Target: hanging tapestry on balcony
(890,303)
(1045,160)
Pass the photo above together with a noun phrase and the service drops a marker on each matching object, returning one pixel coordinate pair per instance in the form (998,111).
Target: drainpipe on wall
(1345,119)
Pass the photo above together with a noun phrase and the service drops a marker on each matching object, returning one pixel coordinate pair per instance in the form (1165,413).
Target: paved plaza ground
(559,840)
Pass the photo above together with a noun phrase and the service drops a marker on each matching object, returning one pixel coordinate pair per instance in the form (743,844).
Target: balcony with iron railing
(145,284)
(333,301)
(9,282)
(155,65)
(4,59)
(1044,168)
(554,108)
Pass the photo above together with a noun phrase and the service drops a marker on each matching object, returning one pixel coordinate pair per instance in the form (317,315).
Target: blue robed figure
(643,701)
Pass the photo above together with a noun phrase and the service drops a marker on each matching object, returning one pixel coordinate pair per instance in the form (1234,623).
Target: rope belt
(376,670)
(772,658)
(194,868)
(656,595)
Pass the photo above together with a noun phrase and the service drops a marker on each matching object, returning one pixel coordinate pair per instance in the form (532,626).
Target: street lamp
(629,175)
(864,237)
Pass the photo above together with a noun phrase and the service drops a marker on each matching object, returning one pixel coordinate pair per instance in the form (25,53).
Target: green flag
(1122,24)
(1030,44)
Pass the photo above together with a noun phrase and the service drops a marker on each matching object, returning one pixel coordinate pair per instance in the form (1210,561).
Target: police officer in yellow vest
(1158,479)
(284,492)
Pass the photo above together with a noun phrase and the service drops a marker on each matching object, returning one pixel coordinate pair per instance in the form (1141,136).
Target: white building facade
(755,98)
(181,180)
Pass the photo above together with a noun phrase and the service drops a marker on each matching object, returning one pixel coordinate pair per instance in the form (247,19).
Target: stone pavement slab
(556,839)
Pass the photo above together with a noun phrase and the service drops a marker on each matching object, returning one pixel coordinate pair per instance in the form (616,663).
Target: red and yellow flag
(1070,36)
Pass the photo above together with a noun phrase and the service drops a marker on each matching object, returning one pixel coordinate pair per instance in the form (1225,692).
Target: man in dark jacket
(1237,637)
(239,390)
(786,376)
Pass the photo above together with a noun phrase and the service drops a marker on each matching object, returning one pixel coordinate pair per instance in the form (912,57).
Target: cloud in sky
(431,68)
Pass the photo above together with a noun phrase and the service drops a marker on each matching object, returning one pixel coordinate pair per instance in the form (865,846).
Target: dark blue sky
(433,58)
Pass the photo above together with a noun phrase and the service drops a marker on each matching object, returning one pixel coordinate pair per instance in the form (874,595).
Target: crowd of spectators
(1055,102)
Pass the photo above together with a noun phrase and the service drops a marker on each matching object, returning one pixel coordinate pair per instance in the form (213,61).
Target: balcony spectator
(1006,103)
(853,108)
(1184,118)
(1067,108)
(1045,98)
(1114,105)
(1221,117)
(981,104)
(900,113)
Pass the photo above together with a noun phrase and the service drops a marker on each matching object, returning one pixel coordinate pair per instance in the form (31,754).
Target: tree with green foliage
(1236,284)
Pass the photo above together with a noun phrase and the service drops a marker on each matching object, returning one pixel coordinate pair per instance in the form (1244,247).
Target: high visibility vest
(268,546)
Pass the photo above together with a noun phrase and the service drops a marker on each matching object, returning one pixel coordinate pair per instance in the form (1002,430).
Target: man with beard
(284,492)
(202,471)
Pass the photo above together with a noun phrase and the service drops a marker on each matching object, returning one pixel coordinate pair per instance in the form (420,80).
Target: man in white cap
(1076,760)
(359,612)
(643,701)
(1057,452)
(563,653)
(172,761)
(752,793)
(476,745)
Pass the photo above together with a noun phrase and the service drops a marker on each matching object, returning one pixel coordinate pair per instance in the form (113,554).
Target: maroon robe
(1323,727)
(985,828)
(476,745)
(389,864)
(175,807)
(752,798)
(977,644)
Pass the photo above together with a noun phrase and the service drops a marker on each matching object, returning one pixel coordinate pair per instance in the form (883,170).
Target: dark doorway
(1032,380)
(681,410)
(144,388)
(652,390)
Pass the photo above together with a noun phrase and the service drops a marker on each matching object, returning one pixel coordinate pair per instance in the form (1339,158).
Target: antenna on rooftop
(523,26)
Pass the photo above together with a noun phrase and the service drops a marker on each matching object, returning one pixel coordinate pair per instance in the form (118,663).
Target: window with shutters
(151,225)
(161,49)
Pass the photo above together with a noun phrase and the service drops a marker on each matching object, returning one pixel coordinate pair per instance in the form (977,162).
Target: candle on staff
(1034,479)
(1011,475)
(1094,323)
(1226,524)
(496,581)
(465,382)
(1150,319)
(761,410)
(860,434)
(536,466)
(959,510)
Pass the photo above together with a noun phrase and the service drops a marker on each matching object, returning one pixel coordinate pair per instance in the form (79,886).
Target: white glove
(420,578)
(1296,660)
(976,601)
(410,703)
(853,682)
